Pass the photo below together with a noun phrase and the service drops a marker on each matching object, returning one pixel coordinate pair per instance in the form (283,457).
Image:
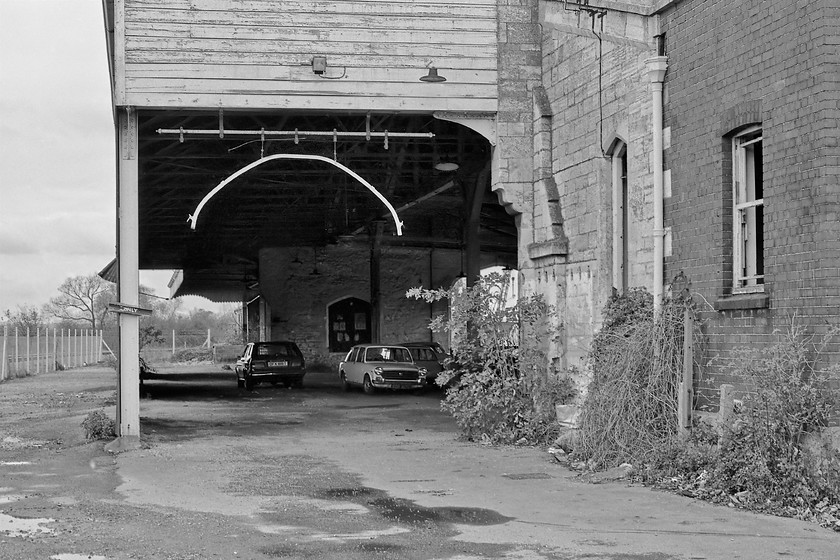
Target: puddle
(72,556)
(360,536)
(9,498)
(18,527)
(527,476)
(14,463)
(409,513)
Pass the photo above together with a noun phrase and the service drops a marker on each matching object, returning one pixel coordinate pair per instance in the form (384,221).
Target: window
(748,212)
(349,324)
(620,233)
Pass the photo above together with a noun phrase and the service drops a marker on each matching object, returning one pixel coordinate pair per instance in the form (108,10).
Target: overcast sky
(57,174)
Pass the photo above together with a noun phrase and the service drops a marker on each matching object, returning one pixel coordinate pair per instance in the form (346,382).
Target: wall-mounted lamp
(432,76)
(319,64)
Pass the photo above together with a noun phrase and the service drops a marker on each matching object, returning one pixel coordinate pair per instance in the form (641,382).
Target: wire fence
(50,349)
(29,353)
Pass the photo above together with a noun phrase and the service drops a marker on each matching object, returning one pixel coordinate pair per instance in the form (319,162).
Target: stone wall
(596,86)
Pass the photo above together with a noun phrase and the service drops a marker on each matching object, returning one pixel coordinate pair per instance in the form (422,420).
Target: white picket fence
(27,353)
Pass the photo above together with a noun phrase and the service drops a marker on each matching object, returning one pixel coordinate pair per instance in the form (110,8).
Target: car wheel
(367,386)
(344,385)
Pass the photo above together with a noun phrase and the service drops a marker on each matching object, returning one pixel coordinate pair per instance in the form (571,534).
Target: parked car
(381,366)
(429,355)
(277,361)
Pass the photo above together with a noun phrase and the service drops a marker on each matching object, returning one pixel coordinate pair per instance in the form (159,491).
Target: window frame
(747,241)
(620,193)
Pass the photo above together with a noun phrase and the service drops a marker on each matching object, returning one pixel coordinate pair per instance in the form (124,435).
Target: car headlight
(377,374)
(423,372)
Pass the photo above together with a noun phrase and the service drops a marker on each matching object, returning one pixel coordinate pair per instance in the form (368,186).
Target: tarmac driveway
(318,473)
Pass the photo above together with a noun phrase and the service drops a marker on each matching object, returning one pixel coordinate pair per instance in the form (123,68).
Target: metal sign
(128,309)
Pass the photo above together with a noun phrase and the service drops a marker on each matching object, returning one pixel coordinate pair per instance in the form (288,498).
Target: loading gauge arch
(193,218)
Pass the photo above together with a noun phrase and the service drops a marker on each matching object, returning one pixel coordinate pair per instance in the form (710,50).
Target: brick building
(750,163)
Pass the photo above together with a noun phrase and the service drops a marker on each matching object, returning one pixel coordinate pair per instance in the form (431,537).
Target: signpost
(129,309)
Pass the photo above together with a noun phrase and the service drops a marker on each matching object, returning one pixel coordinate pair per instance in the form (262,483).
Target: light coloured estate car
(380,366)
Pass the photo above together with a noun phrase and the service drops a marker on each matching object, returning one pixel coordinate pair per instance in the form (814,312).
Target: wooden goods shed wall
(258,54)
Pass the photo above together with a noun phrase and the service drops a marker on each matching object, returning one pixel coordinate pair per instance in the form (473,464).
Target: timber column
(128,386)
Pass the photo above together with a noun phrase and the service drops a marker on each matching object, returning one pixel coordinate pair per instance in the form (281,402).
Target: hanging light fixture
(446,165)
(432,76)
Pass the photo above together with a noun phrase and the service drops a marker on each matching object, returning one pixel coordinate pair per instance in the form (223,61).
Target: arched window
(349,324)
(620,216)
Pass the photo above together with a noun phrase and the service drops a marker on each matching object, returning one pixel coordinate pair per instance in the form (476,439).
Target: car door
(357,366)
(241,360)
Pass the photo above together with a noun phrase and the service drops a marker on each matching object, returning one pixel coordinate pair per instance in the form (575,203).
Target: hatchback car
(429,355)
(279,361)
(380,366)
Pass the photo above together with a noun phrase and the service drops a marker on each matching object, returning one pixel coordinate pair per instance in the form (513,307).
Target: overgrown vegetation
(98,425)
(636,364)
(497,390)
(771,455)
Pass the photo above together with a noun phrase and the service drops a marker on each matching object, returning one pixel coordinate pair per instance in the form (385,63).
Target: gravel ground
(317,473)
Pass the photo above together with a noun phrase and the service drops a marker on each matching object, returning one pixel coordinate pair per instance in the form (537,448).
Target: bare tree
(83,299)
(26,317)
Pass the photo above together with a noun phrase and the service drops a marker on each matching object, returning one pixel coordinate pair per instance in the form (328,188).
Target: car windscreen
(273,350)
(388,354)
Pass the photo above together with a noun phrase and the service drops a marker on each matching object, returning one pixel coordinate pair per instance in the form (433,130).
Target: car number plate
(277,364)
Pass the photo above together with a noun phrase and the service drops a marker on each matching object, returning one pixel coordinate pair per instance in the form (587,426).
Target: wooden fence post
(28,353)
(4,368)
(686,387)
(17,354)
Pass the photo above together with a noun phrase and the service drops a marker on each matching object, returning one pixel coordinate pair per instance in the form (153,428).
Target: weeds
(98,426)
(497,391)
(636,363)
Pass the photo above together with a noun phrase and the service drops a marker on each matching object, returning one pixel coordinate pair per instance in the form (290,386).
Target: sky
(57,163)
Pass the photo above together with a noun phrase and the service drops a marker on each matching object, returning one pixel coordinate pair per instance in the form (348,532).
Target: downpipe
(657,66)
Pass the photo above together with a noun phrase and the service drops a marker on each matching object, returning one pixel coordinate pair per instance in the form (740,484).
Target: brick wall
(299,299)
(774,62)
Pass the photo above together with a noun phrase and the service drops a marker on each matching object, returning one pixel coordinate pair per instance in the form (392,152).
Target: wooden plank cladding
(258,54)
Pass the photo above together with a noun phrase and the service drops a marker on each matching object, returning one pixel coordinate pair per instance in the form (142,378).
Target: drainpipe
(657,66)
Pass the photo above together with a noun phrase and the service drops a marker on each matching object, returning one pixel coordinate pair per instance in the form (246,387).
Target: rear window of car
(276,349)
(387,354)
(425,354)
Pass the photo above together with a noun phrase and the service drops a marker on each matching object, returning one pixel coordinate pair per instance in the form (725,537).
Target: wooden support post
(128,393)
(473,223)
(375,280)
(685,399)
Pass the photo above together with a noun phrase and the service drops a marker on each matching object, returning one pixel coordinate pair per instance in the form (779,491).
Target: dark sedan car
(429,355)
(279,361)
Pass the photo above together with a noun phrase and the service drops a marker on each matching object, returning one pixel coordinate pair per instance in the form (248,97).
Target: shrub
(98,425)
(636,364)
(772,456)
(193,355)
(498,392)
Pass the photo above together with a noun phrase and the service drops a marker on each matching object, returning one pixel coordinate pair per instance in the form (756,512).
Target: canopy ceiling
(301,203)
